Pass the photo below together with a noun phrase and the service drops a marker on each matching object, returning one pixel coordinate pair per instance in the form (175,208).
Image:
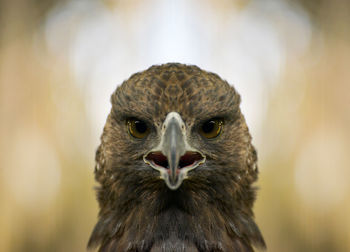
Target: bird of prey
(175,166)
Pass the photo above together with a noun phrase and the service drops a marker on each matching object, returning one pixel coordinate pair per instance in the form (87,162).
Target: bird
(175,167)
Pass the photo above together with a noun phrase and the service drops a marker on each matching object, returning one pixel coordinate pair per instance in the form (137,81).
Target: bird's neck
(183,218)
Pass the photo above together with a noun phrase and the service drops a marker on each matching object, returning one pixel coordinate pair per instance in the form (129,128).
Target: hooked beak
(173,157)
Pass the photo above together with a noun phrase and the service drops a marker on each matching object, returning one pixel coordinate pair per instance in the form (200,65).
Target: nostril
(158,158)
(190,158)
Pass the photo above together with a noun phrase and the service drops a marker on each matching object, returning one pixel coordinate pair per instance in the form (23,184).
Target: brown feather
(212,210)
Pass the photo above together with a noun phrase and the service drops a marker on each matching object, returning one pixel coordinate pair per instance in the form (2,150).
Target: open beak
(173,157)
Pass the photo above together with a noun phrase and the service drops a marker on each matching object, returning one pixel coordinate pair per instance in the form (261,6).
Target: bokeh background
(61,60)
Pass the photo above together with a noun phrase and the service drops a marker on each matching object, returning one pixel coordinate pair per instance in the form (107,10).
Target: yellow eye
(137,128)
(211,128)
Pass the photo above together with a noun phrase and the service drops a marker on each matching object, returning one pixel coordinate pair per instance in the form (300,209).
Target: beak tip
(174,184)
(173,187)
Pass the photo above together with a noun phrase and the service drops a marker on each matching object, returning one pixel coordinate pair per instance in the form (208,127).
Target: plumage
(211,208)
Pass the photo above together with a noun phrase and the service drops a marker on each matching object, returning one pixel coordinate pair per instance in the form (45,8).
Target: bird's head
(175,142)
(175,124)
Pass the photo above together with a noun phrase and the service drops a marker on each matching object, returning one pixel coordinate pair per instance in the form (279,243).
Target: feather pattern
(212,210)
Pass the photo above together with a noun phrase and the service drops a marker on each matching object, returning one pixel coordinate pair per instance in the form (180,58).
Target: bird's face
(173,125)
(175,162)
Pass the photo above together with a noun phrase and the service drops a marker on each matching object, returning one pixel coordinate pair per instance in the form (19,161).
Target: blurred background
(61,60)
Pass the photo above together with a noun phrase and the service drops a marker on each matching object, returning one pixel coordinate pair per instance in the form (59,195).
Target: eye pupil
(140,126)
(208,127)
(137,128)
(211,128)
